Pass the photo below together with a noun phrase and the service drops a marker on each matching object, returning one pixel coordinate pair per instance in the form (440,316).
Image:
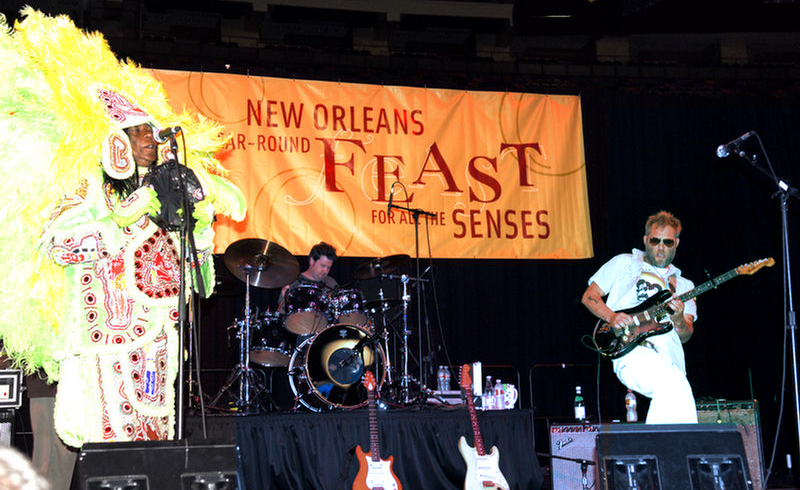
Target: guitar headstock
(755,266)
(369,381)
(466,377)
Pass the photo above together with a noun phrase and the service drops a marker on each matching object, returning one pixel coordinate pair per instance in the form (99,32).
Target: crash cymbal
(379,303)
(376,267)
(265,264)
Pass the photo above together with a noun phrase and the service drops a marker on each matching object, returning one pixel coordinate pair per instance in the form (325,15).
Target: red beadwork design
(158,272)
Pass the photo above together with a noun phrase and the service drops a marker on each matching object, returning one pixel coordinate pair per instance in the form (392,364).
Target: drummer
(320,260)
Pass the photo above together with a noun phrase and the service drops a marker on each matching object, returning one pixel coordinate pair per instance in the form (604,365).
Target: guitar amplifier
(743,414)
(577,443)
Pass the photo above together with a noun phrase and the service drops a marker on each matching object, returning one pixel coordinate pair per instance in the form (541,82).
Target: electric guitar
(374,473)
(483,470)
(646,314)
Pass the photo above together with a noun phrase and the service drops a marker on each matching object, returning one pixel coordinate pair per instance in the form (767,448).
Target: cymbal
(378,303)
(263,263)
(376,267)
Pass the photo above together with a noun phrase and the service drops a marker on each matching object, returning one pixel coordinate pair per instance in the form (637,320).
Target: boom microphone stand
(416,213)
(784,192)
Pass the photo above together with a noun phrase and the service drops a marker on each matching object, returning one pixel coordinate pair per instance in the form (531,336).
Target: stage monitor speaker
(570,446)
(155,465)
(744,416)
(665,457)
(7,426)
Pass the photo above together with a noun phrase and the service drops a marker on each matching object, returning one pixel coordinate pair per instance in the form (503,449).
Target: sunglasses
(654,241)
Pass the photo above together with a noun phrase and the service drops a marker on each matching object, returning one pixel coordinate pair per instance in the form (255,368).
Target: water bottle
(499,395)
(630,406)
(487,399)
(443,377)
(580,408)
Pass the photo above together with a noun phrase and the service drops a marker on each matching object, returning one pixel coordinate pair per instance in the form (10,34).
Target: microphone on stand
(163,135)
(727,148)
(391,196)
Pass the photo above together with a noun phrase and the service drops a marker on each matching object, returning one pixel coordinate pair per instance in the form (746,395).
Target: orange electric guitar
(374,473)
(483,470)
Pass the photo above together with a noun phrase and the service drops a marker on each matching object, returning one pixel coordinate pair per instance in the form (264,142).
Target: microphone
(725,150)
(391,196)
(163,135)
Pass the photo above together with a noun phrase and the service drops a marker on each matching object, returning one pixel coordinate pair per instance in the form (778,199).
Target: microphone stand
(416,213)
(784,192)
(186,237)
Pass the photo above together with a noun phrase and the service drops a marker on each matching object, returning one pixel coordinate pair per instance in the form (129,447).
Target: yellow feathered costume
(90,302)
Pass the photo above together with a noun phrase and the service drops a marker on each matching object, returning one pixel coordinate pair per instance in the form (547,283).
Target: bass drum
(326,371)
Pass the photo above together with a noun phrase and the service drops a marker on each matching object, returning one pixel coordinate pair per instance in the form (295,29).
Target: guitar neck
(374,435)
(659,309)
(473,417)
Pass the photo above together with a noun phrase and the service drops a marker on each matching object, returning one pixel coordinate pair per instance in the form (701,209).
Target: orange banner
(486,174)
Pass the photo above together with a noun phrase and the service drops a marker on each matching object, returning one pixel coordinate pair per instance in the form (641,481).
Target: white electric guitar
(483,470)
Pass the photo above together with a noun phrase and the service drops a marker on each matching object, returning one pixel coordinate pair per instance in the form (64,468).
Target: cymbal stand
(242,372)
(404,382)
(385,331)
(406,379)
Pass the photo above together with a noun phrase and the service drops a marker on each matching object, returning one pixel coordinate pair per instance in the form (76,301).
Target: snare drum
(347,306)
(270,344)
(326,370)
(306,309)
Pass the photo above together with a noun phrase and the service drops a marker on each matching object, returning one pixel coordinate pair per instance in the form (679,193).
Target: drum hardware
(262,264)
(381,304)
(406,379)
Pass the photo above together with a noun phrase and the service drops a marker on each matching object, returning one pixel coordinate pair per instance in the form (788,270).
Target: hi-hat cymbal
(378,266)
(262,263)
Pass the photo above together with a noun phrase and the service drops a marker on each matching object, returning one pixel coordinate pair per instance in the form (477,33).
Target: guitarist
(655,368)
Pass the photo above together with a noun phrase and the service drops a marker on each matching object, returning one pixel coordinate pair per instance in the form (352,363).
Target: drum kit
(326,338)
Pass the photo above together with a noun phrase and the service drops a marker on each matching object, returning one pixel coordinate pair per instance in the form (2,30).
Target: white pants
(671,400)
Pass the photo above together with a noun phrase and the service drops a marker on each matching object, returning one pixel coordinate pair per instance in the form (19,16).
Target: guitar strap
(673,283)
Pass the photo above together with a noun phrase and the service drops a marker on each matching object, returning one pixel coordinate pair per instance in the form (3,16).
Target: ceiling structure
(552,45)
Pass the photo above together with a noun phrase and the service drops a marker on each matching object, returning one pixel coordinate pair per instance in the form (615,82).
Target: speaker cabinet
(7,427)
(573,449)
(745,417)
(665,457)
(154,465)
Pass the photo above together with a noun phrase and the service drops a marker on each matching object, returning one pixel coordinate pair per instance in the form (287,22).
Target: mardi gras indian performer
(94,279)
